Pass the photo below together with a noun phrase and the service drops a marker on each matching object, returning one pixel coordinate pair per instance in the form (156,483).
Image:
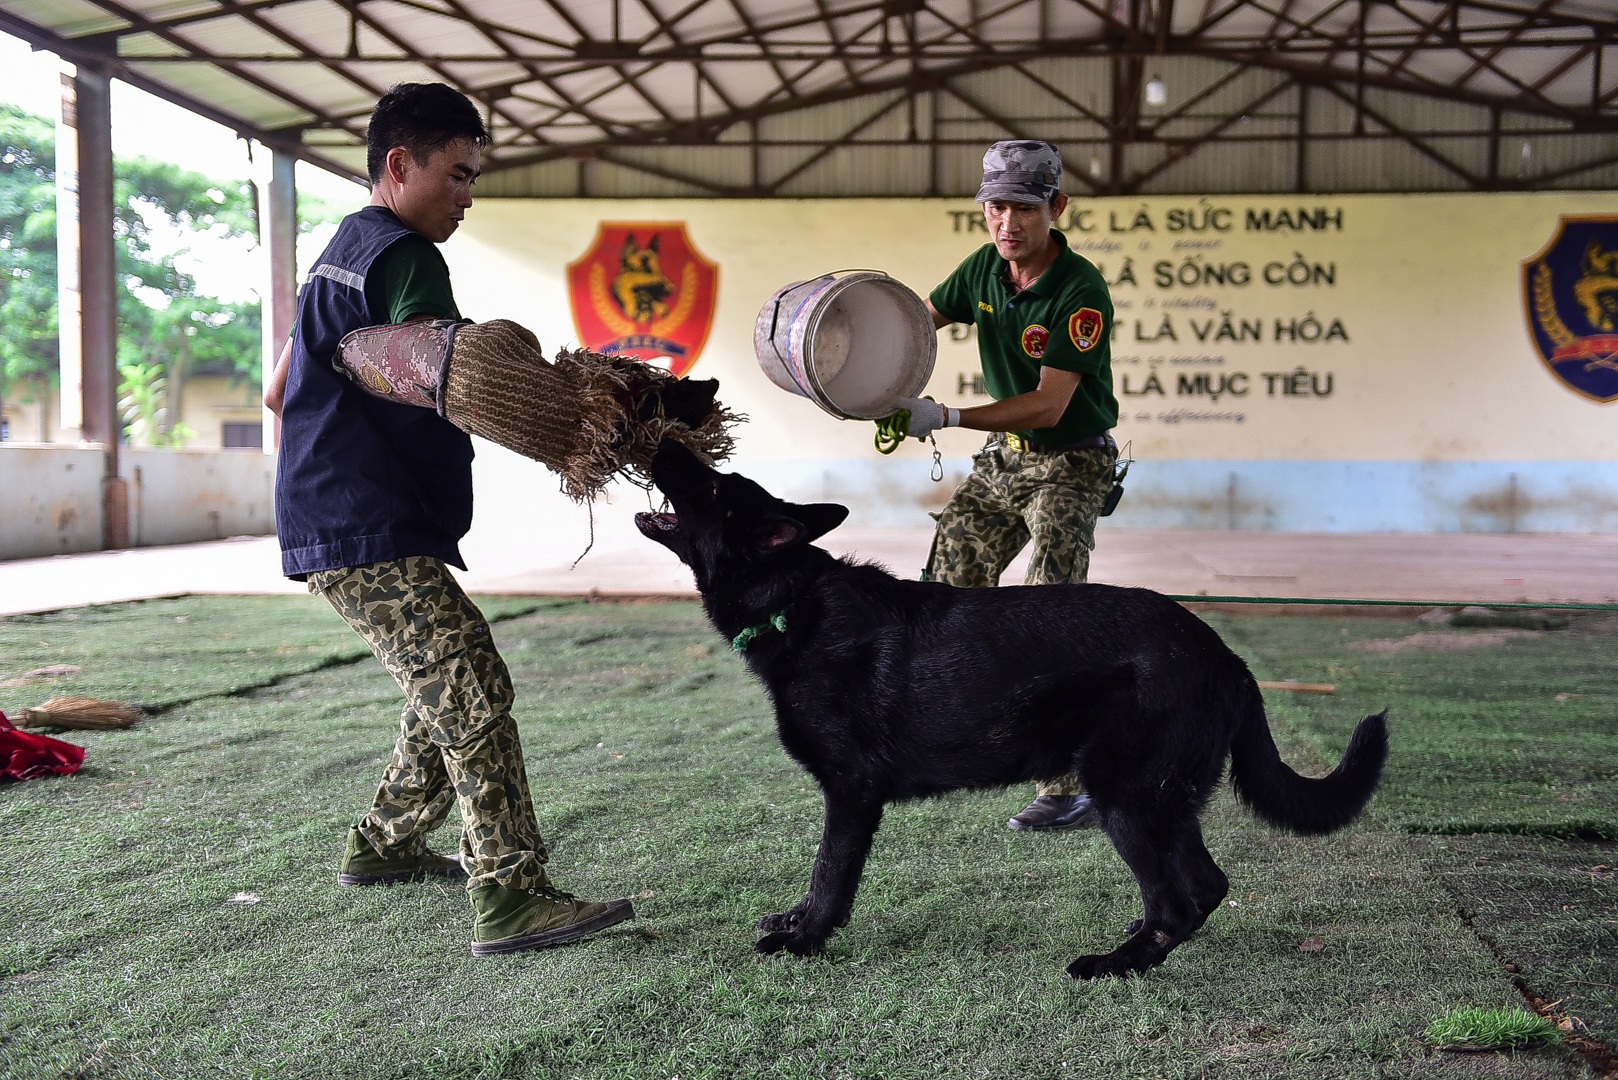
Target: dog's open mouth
(657,523)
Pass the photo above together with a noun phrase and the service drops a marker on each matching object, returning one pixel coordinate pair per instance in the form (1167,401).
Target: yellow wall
(211,401)
(207,403)
(31,413)
(1432,362)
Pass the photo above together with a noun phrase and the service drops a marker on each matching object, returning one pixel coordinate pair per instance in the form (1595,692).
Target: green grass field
(171,911)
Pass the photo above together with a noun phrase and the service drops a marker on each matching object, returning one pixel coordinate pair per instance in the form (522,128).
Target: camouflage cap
(1021,171)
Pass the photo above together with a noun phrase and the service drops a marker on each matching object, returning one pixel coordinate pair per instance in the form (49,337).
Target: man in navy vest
(371,501)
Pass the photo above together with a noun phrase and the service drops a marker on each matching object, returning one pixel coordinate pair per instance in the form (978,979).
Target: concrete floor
(1449,568)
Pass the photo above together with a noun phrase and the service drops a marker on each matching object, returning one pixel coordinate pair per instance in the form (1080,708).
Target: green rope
(1200,599)
(777,622)
(891,431)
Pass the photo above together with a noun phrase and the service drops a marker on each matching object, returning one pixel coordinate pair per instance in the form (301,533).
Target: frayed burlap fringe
(589,416)
(613,439)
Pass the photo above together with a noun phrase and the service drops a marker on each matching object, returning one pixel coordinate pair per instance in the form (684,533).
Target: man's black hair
(423,118)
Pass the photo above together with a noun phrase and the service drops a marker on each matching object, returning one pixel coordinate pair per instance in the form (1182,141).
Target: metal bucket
(854,342)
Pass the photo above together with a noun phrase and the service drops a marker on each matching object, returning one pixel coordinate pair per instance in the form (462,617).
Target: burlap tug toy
(588,416)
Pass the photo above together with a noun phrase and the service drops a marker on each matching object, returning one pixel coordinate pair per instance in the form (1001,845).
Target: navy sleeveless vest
(359,479)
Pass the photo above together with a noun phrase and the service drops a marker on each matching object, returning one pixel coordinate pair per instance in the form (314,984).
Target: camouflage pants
(457,739)
(1012,498)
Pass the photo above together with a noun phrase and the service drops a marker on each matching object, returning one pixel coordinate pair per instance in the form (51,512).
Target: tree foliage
(167,328)
(27,247)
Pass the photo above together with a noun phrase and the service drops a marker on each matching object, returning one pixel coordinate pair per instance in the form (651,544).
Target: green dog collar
(777,622)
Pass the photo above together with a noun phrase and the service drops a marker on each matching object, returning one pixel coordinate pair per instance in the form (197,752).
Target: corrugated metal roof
(657,85)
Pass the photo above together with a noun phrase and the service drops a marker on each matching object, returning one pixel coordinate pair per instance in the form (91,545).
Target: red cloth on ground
(24,755)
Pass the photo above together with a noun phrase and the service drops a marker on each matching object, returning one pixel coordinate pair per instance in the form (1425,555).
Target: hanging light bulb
(1095,166)
(1157,95)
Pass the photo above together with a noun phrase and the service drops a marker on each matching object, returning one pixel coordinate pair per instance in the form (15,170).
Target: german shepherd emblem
(642,289)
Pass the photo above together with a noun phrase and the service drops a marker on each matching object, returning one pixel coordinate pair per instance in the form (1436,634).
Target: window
(242,435)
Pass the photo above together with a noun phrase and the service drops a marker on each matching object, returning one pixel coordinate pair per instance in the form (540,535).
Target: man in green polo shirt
(1044,322)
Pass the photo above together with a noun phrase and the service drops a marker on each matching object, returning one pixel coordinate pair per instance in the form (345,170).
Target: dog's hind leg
(851,822)
(1152,847)
(1204,881)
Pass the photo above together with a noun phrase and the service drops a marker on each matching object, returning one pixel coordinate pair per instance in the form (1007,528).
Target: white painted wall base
(50,497)
(1524,496)
(51,502)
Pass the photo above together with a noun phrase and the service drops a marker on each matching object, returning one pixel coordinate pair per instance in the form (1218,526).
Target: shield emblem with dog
(643,290)
(1570,295)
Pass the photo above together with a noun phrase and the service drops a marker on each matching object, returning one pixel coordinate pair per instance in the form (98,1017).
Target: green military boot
(364,865)
(514,920)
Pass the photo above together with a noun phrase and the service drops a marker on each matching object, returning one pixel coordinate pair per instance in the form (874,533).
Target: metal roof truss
(767,98)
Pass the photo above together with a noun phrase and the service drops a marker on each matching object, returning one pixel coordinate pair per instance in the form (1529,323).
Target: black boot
(1056,812)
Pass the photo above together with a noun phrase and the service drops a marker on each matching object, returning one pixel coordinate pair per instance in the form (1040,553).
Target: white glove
(926,416)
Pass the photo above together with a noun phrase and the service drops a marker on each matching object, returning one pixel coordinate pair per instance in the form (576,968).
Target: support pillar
(278,232)
(89,113)
(70,350)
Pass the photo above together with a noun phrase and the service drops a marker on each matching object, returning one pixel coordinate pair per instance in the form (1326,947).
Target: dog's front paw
(794,943)
(1097,967)
(786,921)
(1143,951)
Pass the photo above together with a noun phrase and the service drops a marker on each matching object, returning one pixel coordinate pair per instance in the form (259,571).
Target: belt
(1028,446)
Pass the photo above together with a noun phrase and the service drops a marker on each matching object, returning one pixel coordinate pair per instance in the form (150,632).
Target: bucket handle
(775,311)
(775,316)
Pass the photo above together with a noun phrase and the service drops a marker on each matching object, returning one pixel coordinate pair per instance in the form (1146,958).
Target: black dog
(887,690)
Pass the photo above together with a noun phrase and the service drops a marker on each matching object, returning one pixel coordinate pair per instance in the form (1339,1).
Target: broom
(90,714)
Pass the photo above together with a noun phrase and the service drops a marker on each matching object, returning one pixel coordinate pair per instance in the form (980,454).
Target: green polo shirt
(410,279)
(1064,321)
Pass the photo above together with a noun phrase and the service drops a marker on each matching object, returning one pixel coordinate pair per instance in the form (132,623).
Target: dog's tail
(1286,800)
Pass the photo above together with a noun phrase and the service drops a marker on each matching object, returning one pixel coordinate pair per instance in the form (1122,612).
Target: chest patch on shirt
(984,305)
(1034,340)
(1084,327)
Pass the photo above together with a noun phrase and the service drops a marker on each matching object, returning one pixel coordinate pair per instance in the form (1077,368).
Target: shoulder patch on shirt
(984,305)
(1085,327)
(1034,340)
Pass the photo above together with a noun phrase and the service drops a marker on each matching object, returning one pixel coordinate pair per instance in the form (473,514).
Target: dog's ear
(630,247)
(779,533)
(800,524)
(821,518)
